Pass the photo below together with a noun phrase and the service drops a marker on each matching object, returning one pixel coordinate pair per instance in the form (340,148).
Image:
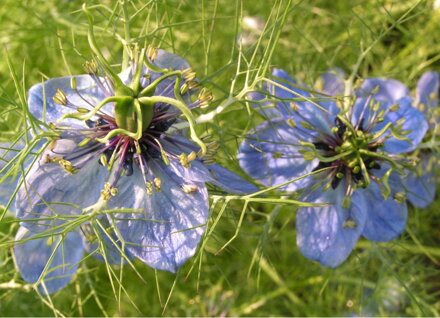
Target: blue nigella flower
(121,155)
(357,140)
(421,183)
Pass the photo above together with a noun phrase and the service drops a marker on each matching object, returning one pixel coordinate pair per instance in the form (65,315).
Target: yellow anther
(184,88)
(103,160)
(105,195)
(151,52)
(213,146)
(293,106)
(193,85)
(375,90)
(108,191)
(291,122)
(91,67)
(422,107)
(400,197)
(306,125)
(149,186)
(400,121)
(84,142)
(73,82)
(209,161)
(82,110)
(188,74)
(349,223)
(394,107)
(189,188)
(157,182)
(277,155)
(67,166)
(50,241)
(432,95)
(191,156)
(183,159)
(60,97)
(114,191)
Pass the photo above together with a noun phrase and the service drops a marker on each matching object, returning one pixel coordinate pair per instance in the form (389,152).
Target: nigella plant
(353,149)
(120,181)
(421,183)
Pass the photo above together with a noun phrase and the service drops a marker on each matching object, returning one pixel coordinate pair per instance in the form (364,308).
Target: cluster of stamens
(136,130)
(352,150)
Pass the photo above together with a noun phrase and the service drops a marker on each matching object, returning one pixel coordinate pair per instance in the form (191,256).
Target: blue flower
(421,183)
(359,141)
(121,156)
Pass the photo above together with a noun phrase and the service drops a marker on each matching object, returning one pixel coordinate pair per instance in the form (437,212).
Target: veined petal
(333,82)
(42,106)
(387,89)
(314,114)
(60,255)
(270,155)
(386,219)
(265,108)
(229,181)
(421,185)
(168,224)
(414,123)
(289,91)
(50,190)
(427,91)
(103,242)
(328,234)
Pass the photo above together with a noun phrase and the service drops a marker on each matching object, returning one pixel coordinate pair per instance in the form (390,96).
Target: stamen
(189,188)
(157,183)
(60,98)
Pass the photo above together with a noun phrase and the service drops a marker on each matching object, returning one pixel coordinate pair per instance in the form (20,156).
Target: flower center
(349,154)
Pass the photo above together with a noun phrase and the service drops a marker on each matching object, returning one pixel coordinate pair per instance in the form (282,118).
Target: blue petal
(333,82)
(386,219)
(163,60)
(421,184)
(323,233)
(270,155)
(427,91)
(414,122)
(33,256)
(99,242)
(200,172)
(49,189)
(315,115)
(229,181)
(169,224)
(214,174)
(387,89)
(42,106)
(265,108)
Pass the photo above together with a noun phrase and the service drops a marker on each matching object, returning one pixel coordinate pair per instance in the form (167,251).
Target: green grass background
(261,272)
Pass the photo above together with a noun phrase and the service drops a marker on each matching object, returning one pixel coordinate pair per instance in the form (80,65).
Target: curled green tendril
(185,111)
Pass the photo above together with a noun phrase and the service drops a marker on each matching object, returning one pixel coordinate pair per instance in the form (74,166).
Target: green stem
(184,109)
(125,56)
(93,112)
(147,90)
